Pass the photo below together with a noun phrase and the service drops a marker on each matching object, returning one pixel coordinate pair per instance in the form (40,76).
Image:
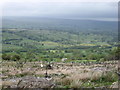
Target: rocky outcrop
(31,82)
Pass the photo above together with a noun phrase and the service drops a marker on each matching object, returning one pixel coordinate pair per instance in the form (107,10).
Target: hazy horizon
(105,11)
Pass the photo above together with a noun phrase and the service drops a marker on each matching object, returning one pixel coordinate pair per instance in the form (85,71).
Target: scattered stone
(49,66)
(114,85)
(63,59)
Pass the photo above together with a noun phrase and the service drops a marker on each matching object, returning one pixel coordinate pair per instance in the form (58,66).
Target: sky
(67,9)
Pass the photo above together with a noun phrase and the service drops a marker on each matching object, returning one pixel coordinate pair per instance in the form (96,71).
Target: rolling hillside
(74,39)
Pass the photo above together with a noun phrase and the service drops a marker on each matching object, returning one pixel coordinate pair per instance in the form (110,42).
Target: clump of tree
(14,57)
(6,57)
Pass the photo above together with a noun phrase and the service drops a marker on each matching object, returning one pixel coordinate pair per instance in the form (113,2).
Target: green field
(33,41)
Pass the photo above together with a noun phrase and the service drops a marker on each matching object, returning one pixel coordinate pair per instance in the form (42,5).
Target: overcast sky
(72,9)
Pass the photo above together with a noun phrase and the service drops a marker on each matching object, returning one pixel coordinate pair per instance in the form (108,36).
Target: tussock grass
(96,79)
(76,84)
(108,77)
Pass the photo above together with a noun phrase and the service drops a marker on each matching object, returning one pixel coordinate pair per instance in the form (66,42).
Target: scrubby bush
(15,57)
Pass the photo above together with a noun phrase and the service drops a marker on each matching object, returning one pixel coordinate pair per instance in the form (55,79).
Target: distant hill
(58,24)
